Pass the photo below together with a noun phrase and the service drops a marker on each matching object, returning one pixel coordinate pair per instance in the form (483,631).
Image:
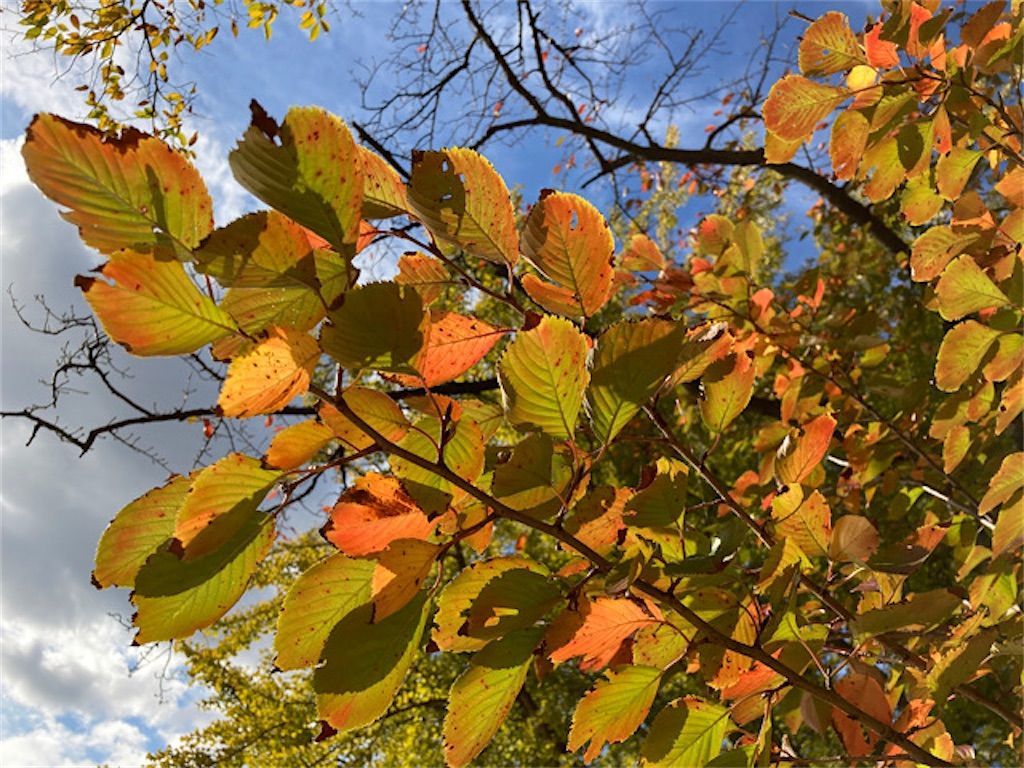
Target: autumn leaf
(803,451)
(373,513)
(829,46)
(727,386)
(297,444)
(384,192)
(961,353)
(426,274)
(595,630)
(854,538)
(454,344)
(613,709)
(846,146)
(964,288)
(796,105)
(863,691)
(109,185)
(400,572)
(379,411)
(269,377)
(151,307)
(688,731)
(806,519)
(543,374)
(461,199)
(568,241)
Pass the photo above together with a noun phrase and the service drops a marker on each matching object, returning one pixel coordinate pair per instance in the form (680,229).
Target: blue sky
(68,695)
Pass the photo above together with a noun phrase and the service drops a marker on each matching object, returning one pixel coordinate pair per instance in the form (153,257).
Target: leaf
(365,664)
(796,105)
(880,53)
(727,387)
(400,572)
(543,374)
(921,611)
(222,496)
(662,502)
(778,150)
(642,255)
(958,665)
(173,597)
(596,520)
(459,196)
(846,146)
(296,445)
(613,709)
(275,273)
(374,407)
(1007,481)
(631,363)
(463,455)
(865,693)
(800,455)
(373,513)
(688,731)
(483,694)
(269,377)
(962,350)
(381,327)
(383,190)
(427,275)
(126,192)
(136,533)
(568,240)
(953,171)
(919,202)
(854,539)
(595,630)
(514,599)
(965,288)
(460,593)
(807,520)
(932,251)
(151,307)
(535,479)
(955,445)
(829,46)
(454,344)
(318,599)
(310,170)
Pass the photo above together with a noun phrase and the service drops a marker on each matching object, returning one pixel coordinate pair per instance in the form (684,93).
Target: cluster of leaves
(839,579)
(129,45)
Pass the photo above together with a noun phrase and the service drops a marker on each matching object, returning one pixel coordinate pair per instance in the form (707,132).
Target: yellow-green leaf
(806,520)
(796,105)
(151,307)
(962,350)
(543,374)
(727,386)
(829,46)
(613,709)
(965,288)
(687,732)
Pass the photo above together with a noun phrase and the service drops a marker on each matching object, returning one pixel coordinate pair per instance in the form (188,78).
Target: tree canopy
(609,486)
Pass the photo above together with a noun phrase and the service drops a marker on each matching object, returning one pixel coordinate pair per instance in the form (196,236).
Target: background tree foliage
(781,509)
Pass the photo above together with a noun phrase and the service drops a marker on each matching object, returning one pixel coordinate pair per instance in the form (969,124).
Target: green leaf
(482,696)
(965,288)
(543,374)
(796,105)
(151,307)
(961,353)
(514,599)
(461,199)
(130,191)
(613,709)
(459,595)
(959,664)
(365,663)
(662,502)
(309,169)
(136,533)
(536,477)
(687,732)
(921,611)
(727,387)
(380,326)
(568,240)
(933,250)
(631,362)
(175,597)
(316,602)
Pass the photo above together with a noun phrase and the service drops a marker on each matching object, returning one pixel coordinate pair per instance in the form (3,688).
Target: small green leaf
(687,732)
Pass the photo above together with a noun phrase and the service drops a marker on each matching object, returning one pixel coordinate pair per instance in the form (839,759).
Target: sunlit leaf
(454,344)
(374,407)
(961,353)
(796,105)
(285,168)
(595,630)
(1007,480)
(804,450)
(829,46)
(401,570)
(462,200)
(805,519)
(613,709)
(854,538)
(373,513)
(383,190)
(846,147)
(965,288)
(543,374)
(427,275)
(535,479)
(727,386)
(569,242)
(688,731)
(269,377)
(297,444)
(129,191)
(151,307)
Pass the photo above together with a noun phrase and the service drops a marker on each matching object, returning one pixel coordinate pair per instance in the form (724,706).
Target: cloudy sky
(74,692)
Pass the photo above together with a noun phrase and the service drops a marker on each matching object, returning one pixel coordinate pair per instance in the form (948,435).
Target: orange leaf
(372,514)
(799,455)
(866,693)
(267,378)
(401,570)
(455,343)
(595,630)
(881,53)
